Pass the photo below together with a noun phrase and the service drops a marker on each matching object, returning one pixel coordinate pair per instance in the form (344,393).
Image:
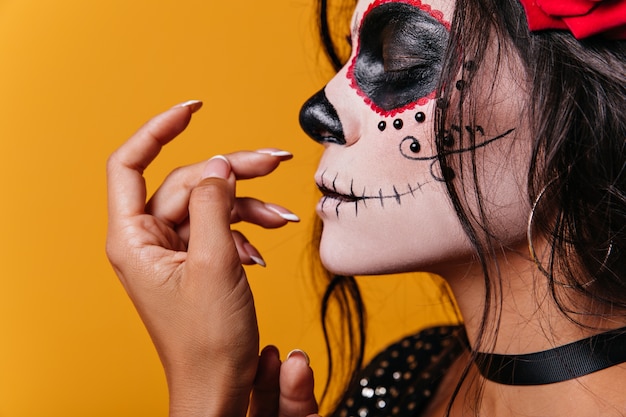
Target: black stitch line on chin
(363,198)
(356,201)
(380,196)
(397,195)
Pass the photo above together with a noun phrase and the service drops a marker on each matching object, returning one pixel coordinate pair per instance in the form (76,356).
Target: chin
(343,253)
(347,258)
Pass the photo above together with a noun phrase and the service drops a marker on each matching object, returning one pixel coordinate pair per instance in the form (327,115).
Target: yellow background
(76,79)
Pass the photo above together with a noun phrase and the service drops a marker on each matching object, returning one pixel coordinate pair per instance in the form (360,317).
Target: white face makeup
(384,205)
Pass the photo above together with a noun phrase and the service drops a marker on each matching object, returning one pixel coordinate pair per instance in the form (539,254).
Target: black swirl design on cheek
(399,55)
(410,148)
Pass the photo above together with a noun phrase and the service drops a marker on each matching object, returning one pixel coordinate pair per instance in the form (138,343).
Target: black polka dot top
(401,380)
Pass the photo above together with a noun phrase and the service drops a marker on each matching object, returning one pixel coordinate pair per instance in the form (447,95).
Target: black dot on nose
(398,124)
(382,125)
(420,117)
(415,147)
(460,84)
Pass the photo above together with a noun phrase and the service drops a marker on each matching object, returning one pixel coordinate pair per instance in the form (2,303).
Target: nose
(319,120)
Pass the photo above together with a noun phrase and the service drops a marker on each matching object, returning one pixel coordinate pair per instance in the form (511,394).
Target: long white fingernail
(258,261)
(301,353)
(254,254)
(194,105)
(274,152)
(283,212)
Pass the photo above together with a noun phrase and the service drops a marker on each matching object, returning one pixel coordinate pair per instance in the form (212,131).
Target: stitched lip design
(331,191)
(327,192)
(380,197)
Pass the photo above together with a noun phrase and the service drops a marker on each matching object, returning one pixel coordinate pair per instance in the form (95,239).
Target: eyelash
(399,76)
(406,64)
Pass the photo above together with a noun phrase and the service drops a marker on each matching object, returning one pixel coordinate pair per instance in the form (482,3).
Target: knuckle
(122,239)
(210,190)
(112,161)
(111,252)
(177,174)
(115,251)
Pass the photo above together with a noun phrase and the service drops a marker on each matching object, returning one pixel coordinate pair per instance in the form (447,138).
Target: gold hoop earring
(533,253)
(529,231)
(606,257)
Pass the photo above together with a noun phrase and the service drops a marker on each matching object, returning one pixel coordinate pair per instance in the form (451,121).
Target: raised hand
(181,264)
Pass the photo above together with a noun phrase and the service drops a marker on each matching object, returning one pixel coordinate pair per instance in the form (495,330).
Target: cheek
(402,148)
(503,182)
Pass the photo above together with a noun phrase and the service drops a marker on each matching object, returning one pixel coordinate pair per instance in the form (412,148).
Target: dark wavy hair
(576,180)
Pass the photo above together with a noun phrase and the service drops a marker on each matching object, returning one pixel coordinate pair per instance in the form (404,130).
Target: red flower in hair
(583,18)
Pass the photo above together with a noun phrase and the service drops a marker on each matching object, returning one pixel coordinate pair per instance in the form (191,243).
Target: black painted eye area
(400,56)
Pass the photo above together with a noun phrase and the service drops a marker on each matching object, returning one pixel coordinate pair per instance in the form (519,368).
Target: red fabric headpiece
(583,18)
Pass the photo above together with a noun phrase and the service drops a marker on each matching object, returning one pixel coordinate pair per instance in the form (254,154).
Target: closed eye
(400,54)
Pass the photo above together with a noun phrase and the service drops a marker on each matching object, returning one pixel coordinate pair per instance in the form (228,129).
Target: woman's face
(384,206)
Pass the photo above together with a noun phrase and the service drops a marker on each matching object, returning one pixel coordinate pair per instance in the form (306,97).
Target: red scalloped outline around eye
(422,101)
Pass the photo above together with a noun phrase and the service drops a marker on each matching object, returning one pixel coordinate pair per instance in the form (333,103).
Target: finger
(263,214)
(248,210)
(248,165)
(170,202)
(211,244)
(248,254)
(183,231)
(126,186)
(270,216)
(296,386)
(266,389)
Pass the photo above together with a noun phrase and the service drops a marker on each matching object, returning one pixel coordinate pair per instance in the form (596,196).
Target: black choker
(555,365)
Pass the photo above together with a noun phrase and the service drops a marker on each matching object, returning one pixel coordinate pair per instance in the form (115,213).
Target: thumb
(297,397)
(211,245)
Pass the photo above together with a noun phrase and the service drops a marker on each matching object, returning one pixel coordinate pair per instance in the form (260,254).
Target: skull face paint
(384,206)
(399,55)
